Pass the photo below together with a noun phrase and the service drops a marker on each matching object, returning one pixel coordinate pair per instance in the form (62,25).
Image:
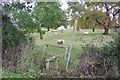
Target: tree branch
(114,14)
(106,6)
(100,23)
(112,6)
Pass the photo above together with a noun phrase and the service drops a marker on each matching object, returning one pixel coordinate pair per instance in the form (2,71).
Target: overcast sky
(65,5)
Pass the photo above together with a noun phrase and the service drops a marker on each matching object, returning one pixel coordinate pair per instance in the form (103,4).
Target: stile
(55,57)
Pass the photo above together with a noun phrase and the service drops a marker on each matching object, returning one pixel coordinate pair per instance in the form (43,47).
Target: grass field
(51,38)
(80,39)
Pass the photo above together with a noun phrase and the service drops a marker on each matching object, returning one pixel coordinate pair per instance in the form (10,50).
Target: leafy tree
(75,11)
(17,25)
(11,35)
(23,18)
(79,10)
(49,15)
(91,12)
(105,18)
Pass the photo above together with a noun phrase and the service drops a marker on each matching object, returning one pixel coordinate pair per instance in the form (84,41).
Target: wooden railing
(55,56)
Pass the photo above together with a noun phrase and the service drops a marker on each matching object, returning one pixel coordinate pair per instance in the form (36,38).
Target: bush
(11,40)
(99,61)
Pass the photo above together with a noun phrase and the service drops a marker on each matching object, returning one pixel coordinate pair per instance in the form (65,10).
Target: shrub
(99,61)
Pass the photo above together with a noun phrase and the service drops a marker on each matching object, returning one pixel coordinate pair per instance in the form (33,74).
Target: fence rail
(55,55)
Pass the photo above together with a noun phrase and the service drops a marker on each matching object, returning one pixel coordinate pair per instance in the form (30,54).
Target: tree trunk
(93,29)
(107,20)
(48,29)
(106,31)
(77,29)
(41,37)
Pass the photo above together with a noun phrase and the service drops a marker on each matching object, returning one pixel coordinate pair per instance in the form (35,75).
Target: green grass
(80,39)
(5,74)
(51,39)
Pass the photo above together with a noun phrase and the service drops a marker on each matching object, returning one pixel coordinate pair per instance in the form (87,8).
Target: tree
(106,20)
(75,12)
(80,10)
(17,25)
(49,15)
(10,31)
(91,11)
(23,18)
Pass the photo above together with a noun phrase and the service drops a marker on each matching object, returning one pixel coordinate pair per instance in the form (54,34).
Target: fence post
(56,62)
(47,65)
(66,56)
(45,52)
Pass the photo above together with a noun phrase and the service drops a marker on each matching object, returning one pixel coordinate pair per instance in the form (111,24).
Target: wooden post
(66,55)
(45,52)
(102,38)
(70,48)
(56,62)
(53,58)
(46,62)
(47,65)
